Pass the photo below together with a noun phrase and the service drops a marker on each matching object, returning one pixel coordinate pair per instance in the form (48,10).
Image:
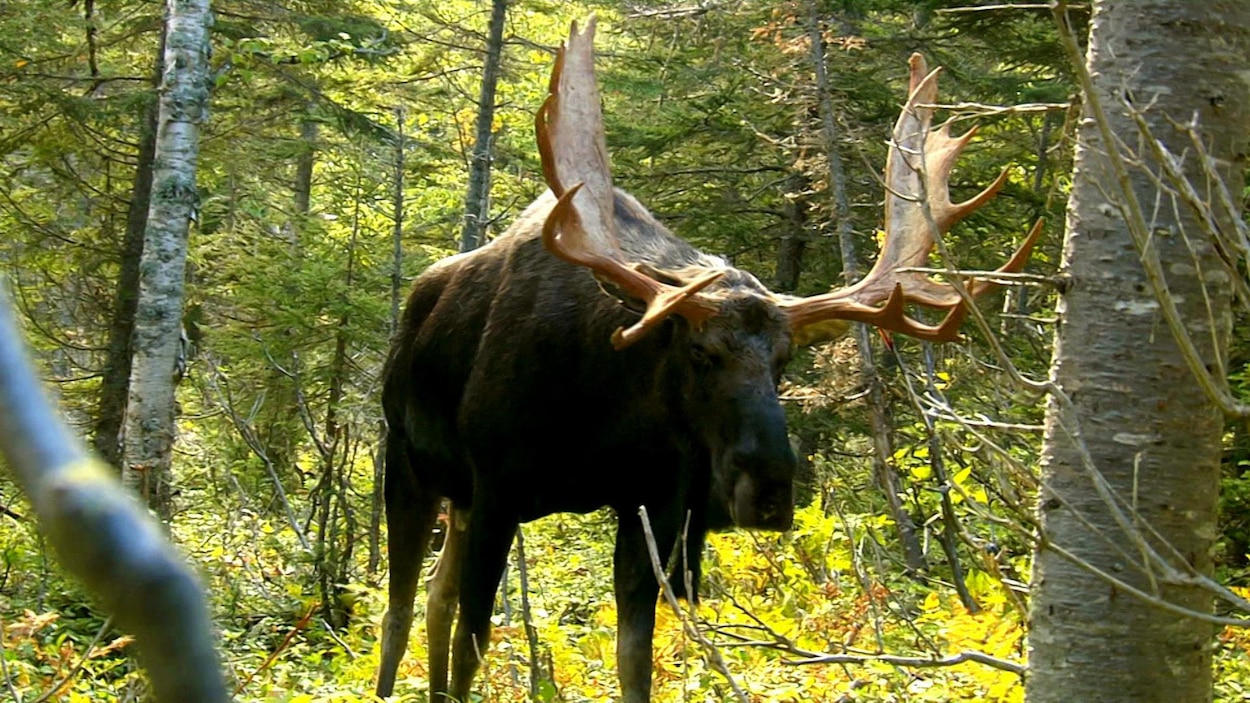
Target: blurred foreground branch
(103,537)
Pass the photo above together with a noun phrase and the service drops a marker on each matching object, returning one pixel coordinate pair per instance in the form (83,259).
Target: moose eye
(701,356)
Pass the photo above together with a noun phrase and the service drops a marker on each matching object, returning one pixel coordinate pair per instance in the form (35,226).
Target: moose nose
(763,493)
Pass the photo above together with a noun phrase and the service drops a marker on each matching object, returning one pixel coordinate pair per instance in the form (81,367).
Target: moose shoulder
(589,357)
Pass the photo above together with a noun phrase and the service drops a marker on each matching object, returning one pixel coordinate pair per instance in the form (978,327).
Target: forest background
(335,166)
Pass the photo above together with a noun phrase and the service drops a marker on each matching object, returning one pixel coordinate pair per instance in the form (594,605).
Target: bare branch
(713,654)
(914,662)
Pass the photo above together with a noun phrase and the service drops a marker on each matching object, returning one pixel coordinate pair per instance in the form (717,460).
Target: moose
(588,357)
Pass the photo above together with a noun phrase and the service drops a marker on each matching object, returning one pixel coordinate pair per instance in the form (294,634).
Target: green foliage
(713,122)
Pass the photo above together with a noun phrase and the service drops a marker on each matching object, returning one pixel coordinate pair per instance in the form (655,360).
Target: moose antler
(914,210)
(581,228)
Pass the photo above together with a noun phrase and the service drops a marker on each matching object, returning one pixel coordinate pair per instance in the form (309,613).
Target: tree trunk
(305,164)
(1152,435)
(794,241)
(115,381)
(328,566)
(149,429)
(884,475)
(475,209)
(397,275)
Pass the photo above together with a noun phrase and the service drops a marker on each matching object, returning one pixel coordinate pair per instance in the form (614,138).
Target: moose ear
(820,332)
(570,138)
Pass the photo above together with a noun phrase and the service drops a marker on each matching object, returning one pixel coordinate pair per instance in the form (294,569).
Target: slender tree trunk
(304,165)
(794,242)
(397,230)
(475,204)
(1137,432)
(878,411)
(115,382)
(397,277)
(336,440)
(149,429)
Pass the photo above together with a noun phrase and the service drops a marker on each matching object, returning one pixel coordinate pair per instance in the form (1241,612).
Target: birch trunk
(149,427)
(1151,433)
(115,380)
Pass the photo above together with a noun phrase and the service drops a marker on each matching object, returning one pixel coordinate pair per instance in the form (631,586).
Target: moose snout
(764,498)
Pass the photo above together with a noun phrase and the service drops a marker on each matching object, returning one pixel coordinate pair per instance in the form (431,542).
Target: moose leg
(410,515)
(444,592)
(487,544)
(636,589)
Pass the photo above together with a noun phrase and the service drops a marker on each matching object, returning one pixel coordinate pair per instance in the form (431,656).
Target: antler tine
(581,227)
(917,208)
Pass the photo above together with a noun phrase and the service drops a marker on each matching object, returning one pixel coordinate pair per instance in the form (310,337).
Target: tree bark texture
(475,208)
(1151,433)
(115,381)
(149,428)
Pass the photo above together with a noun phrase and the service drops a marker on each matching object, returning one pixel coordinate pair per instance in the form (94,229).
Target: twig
(253,442)
(983,110)
(4,666)
(781,643)
(334,636)
(86,656)
(527,617)
(1000,277)
(713,654)
(913,662)
(286,641)
(1004,6)
(950,522)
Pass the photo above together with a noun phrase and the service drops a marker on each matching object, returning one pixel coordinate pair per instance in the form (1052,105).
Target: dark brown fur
(503,393)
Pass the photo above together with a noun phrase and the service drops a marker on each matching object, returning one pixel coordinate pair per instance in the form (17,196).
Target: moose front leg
(636,590)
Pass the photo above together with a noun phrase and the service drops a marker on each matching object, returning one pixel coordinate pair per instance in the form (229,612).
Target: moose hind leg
(487,543)
(444,593)
(410,515)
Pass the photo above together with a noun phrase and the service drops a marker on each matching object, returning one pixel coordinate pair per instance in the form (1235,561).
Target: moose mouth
(762,505)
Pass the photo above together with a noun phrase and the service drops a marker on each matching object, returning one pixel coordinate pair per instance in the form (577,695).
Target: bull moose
(589,357)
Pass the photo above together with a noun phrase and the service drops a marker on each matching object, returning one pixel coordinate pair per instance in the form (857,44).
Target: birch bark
(149,427)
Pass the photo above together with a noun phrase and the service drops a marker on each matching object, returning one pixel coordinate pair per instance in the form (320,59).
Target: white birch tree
(1122,606)
(149,425)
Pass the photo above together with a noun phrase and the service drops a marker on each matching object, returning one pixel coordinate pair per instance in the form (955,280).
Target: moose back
(589,357)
